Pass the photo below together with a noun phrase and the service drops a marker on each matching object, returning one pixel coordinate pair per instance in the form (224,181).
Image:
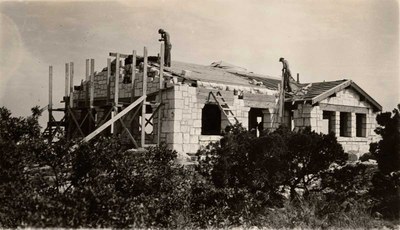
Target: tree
(98,184)
(387,150)
(16,134)
(282,157)
(386,182)
(306,155)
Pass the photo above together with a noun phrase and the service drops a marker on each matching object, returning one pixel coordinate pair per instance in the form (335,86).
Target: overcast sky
(322,40)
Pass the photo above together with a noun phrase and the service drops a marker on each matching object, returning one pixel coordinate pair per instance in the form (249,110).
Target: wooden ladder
(224,107)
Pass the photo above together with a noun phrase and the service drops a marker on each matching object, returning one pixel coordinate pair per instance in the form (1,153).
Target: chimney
(298,78)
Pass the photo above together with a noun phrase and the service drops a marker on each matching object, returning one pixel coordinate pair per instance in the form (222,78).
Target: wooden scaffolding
(81,120)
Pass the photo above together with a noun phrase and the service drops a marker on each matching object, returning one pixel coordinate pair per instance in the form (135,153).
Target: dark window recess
(345,124)
(361,125)
(211,120)
(330,116)
(256,118)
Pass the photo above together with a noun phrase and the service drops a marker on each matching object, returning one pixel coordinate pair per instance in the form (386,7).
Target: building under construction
(187,105)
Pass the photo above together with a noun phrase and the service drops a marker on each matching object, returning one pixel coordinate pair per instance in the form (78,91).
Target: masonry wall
(100,87)
(181,119)
(346,101)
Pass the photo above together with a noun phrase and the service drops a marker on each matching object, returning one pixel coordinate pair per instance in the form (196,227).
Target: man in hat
(286,74)
(167,47)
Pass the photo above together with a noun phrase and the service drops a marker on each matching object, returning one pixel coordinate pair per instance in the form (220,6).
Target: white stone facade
(181,122)
(349,103)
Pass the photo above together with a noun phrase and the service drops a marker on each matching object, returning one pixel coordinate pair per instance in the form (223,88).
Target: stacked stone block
(312,116)
(271,118)
(181,119)
(100,87)
(347,97)
(153,84)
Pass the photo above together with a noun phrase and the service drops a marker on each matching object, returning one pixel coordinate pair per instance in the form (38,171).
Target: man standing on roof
(286,74)
(167,47)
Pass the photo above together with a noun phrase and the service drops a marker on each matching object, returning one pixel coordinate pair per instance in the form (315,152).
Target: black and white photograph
(200,114)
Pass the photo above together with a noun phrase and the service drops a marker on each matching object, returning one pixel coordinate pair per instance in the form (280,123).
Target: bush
(96,185)
(17,137)
(309,154)
(242,161)
(257,168)
(386,182)
(124,189)
(308,213)
(346,186)
(367,156)
(238,183)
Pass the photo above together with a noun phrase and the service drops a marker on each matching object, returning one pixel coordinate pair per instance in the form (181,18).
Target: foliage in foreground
(386,182)
(241,182)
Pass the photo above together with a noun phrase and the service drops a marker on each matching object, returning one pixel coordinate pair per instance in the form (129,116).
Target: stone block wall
(271,118)
(307,115)
(153,84)
(347,97)
(124,90)
(312,116)
(182,117)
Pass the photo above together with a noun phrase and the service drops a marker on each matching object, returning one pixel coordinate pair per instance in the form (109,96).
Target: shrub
(242,161)
(99,184)
(346,186)
(17,137)
(386,182)
(308,213)
(367,156)
(309,154)
(238,183)
(260,166)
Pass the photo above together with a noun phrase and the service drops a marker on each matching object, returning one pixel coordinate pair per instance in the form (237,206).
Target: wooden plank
(152,115)
(120,55)
(87,70)
(44,108)
(343,108)
(91,84)
(104,118)
(111,121)
(50,91)
(129,134)
(133,74)
(78,126)
(143,131)
(159,112)
(134,115)
(71,84)
(66,79)
(116,93)
(50,102)
(108,79)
